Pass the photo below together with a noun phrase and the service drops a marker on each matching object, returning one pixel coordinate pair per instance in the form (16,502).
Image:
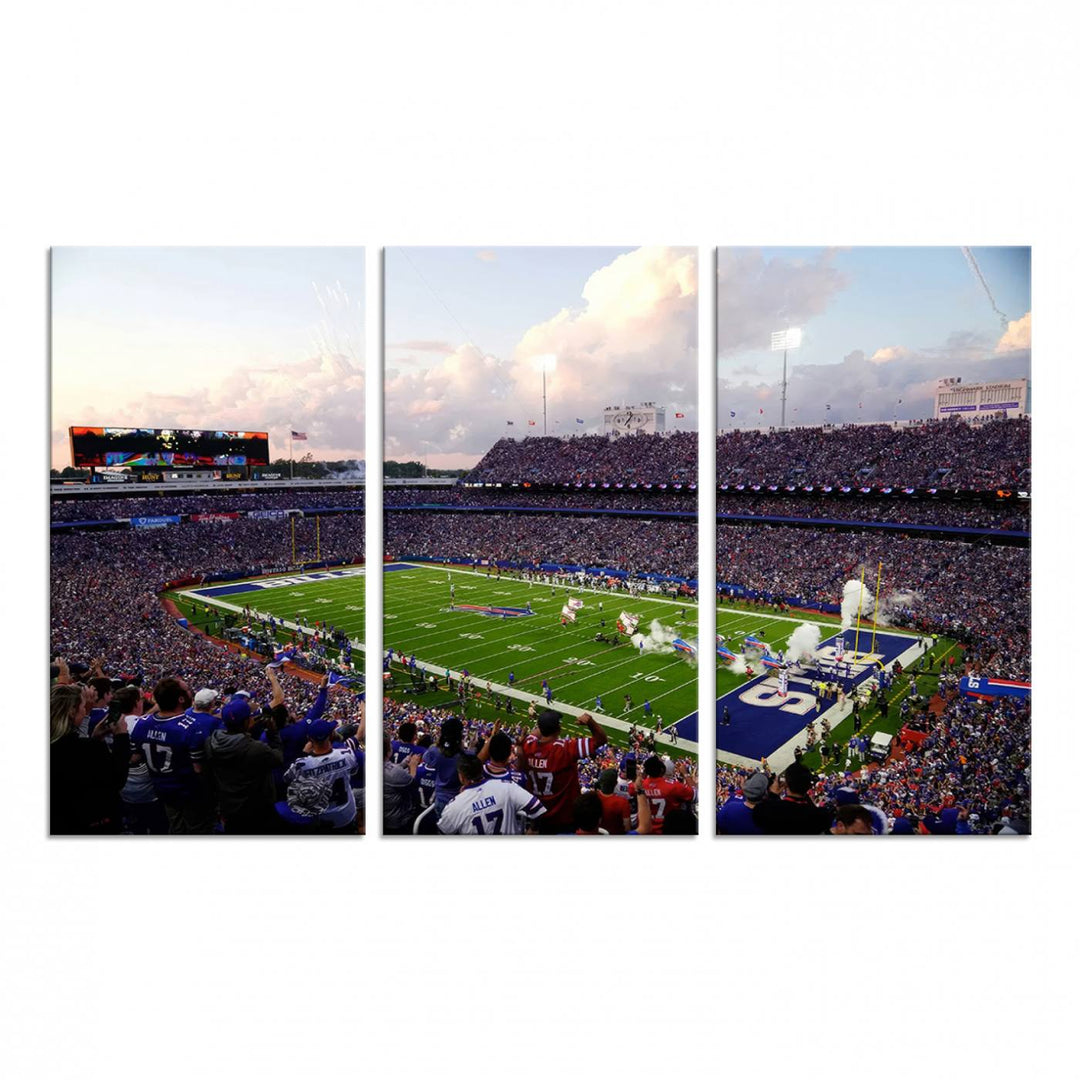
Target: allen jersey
(552,771)
(171,748)
(664,795)
(490,808)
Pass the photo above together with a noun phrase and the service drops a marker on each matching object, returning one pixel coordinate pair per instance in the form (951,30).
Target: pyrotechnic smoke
(803,643)
(856,599)
(658,639)
(896,603)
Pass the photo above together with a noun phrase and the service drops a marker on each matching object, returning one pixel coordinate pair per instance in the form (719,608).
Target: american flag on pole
(300,436)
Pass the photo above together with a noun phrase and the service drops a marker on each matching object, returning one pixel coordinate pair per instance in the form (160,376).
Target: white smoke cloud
(856,600)
(803,643)
(658,639)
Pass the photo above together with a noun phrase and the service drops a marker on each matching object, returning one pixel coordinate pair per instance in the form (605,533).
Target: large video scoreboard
(104,447)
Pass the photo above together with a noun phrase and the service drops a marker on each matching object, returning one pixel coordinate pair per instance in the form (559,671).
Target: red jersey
(664,795)
(552,771)
(616,811)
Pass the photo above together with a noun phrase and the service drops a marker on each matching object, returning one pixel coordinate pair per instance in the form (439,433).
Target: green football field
(289,597)
(419,618)
(418,621)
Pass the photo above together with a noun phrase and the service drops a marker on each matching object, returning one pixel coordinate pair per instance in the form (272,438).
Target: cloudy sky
(880,326)
(464,327)
(251,339)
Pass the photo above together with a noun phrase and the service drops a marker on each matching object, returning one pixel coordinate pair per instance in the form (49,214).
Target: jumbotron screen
(99,447)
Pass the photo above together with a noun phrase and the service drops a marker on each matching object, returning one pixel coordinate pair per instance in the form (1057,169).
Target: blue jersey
(444,768)
(209,722)
(171,748)
(425,778)
(400,751)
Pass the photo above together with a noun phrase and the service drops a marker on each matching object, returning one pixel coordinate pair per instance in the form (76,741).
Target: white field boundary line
(287,623)
(784,755)
(605,719)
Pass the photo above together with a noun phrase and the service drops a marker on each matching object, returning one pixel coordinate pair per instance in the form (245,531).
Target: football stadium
(199,586)
(874,628)
(551,592)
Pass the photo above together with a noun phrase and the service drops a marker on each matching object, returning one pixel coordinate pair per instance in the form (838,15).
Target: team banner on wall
(158,522)
(215,517)
(991,688)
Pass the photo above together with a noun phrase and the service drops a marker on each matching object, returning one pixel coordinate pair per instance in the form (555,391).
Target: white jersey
(490,808)
(333,770)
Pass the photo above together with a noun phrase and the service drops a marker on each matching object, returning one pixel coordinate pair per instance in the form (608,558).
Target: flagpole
(318,548)
(290,455)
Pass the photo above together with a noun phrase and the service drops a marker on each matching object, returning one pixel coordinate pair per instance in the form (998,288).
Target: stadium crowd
(88,506)
(979,592)
(664,546)
(667,458)
(109,632)
(445,772)
(933,453)
(967,772)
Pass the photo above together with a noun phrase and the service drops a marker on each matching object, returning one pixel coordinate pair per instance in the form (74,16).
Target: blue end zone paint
(759,728)
(398,566)
(686,728)
(228,590)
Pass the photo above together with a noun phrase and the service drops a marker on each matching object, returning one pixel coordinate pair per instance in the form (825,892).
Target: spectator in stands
(442,761)
(735,817)
(319,796)
(551,766)
(86,775)
(787,809)
(400,791)
(242,767)
(173,745)
(487,807)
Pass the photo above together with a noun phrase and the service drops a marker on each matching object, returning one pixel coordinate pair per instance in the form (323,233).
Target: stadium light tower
(791,338)
(545,363)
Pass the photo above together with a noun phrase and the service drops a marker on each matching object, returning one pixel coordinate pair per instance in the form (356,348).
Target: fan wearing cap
(242,767)
(664,794)
(736,816)
(317,784)
(202,709)
(551,767)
